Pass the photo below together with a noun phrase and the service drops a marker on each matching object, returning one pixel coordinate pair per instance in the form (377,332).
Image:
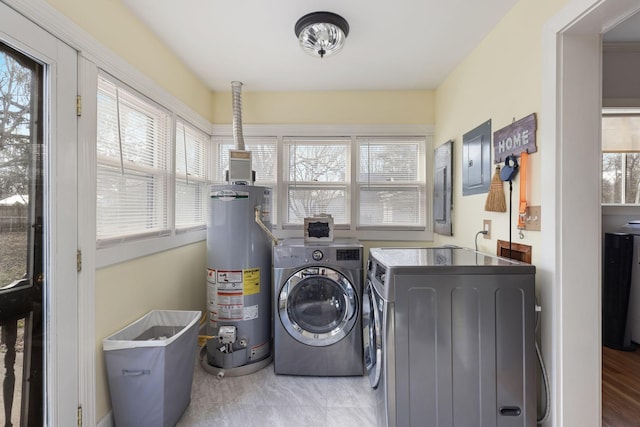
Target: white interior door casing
(570,267)
(60,139)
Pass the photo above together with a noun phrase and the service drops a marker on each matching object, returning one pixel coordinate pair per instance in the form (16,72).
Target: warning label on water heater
(229,279)
(251,281)
(226,291)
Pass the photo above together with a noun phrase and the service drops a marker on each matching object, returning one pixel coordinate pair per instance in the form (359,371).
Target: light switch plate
(532,218)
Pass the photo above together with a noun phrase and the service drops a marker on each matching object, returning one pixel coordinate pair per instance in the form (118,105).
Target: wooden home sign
(514,139)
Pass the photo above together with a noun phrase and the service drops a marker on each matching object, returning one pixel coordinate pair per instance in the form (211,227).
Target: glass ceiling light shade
(321,33)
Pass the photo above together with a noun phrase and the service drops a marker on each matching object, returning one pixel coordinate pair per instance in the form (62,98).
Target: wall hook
(521,234)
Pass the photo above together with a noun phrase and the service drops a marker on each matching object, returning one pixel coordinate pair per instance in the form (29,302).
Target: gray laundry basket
(150,368)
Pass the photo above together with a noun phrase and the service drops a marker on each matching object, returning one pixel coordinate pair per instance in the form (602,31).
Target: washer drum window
(318,306)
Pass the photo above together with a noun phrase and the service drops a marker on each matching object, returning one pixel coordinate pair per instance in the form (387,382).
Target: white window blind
(621,132)
(192,176)
(133,169)
(317,178)
(391,182)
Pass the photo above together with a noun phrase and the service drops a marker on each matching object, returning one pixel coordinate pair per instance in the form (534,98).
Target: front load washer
(317,308)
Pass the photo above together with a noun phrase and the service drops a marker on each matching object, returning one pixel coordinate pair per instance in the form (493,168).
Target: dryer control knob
(317,255)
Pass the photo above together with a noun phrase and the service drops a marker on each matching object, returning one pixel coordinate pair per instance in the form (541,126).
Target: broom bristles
(495,199)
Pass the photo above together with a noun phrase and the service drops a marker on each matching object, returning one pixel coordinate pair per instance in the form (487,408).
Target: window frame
(204,180)
(619,112)
(286,183)
(422,169)
(125,249)
(161,164)
(371,233)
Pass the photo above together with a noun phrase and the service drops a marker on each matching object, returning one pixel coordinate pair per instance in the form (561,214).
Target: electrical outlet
(486,226)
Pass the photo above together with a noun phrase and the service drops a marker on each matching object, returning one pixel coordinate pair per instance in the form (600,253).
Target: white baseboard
(106,421)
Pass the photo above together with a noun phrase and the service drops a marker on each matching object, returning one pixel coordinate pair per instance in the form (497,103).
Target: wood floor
(620,388)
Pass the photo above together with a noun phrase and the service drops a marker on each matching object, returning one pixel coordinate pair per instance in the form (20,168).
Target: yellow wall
(109,22)
(365,107)
(500,80)
(171,280)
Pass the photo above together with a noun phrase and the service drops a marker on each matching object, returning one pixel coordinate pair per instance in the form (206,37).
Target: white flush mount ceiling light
(322,33)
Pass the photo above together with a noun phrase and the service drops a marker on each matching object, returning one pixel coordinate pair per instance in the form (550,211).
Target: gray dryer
(449,338)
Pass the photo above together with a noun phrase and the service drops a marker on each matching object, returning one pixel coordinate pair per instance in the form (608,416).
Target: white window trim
(621,111)
(161,158)
(362,233)
(116,250)
(94,55)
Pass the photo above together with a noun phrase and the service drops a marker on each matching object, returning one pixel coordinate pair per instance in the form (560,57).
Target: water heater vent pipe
(238,138)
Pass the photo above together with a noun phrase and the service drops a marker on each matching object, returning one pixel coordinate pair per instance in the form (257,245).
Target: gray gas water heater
(239,244)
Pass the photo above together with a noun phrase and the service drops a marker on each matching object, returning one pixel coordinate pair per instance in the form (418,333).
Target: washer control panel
(292,253)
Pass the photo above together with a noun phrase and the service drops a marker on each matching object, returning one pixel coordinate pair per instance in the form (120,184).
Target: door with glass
(38,237)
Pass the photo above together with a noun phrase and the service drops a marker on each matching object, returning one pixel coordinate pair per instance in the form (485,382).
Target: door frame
(571,106)
(60,204)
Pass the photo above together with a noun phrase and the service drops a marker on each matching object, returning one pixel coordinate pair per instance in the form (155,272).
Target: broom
(495,199)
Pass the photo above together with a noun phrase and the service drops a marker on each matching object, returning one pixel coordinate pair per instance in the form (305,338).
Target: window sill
(620,209)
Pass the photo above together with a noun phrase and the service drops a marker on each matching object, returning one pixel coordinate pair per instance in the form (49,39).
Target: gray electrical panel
(443,189)
(476,160)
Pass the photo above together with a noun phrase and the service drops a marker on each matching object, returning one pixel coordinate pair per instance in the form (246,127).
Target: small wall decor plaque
(515,138)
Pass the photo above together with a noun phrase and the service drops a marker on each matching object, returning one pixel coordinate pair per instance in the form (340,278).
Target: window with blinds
(621,157)
(391,182)
(372,180)
(317,178)
(192,176)
(133,164)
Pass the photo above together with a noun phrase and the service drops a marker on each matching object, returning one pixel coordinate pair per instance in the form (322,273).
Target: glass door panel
(21,229)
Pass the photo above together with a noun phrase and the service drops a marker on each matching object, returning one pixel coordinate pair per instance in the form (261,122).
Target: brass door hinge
(79,416)
(78,105)
(79,260)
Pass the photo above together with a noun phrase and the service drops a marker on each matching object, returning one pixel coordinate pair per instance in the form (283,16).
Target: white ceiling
(392,45)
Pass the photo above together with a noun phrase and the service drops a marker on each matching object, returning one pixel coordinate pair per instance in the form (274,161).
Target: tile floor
(265,399)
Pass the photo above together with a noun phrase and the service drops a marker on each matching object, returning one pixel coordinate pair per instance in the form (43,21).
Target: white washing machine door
(318,306)
(371,334)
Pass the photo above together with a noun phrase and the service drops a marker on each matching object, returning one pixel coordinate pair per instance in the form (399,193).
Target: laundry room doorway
(620,213)
(570,269)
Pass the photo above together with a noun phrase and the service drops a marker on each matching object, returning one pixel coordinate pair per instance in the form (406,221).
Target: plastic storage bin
(150,368)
